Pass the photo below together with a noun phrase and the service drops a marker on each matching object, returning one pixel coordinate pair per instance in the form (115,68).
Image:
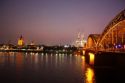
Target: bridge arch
(92,40)
(114,33)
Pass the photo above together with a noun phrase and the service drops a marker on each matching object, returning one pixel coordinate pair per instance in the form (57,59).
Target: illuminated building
(80,42)
(20,41)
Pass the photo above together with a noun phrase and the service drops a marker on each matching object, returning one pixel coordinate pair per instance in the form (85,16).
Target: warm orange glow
(83,57)
(92,56)
(90,42)
(19,60)
(89,75)
(20,42)
(83,63)
(83,52)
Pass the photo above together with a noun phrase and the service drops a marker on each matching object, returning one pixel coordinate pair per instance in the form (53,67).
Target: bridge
(107,48)
(112,38)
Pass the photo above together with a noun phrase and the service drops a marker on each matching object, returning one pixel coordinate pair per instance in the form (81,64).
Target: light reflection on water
(89,76)
(88,72)
(39,67)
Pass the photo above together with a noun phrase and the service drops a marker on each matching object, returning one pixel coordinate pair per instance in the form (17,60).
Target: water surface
(54,68)
(42,68)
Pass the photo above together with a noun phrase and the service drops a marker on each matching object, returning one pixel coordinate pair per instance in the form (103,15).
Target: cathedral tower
(20,41)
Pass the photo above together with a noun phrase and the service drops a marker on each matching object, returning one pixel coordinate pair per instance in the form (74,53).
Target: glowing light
(83,52)
(66,46)
(20,41)
(89,76)
(119,46)
(36,54)
(42,54)
(92,56)
(116,46)
(19,61)
(83,57)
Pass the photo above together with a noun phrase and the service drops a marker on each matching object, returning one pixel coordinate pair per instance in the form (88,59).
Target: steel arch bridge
(113,36)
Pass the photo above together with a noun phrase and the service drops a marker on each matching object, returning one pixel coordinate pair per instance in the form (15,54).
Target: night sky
(54,22)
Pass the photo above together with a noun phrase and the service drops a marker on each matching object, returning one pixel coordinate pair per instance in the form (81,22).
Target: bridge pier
(105,59)
(110,59)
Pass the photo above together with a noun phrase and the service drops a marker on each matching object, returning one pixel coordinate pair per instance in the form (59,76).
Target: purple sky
(54,21)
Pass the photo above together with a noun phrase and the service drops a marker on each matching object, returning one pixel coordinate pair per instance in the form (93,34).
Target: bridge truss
(113,36)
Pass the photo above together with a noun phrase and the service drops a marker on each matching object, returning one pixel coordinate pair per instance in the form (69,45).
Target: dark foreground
(53,68)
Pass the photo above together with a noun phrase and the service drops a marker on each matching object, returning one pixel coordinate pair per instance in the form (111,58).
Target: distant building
(80,41)
(20,41)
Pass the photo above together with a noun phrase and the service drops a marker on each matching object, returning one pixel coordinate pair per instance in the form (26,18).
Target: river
(18,67)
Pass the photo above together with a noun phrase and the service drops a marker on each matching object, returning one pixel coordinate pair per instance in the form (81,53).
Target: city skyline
(54,22)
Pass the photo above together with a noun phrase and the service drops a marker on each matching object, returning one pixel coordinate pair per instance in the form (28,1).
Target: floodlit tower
(20,41)
(80,40)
